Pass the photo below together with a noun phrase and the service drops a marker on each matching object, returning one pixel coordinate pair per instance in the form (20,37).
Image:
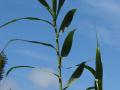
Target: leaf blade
(16,67)
(61,3)
(26,18)
(54,6)
(91,70)
(90,88)
(99,66)
(46,5)
(35,42)
(76,74)
(67,44)
(99,70)
(67,20)
(31,67)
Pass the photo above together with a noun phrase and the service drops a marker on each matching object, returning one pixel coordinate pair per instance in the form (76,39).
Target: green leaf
(34,42)
(54,2)
(90,69)
(67,44)
(61,3)
(76,74)
(16,67)
(99,66)
(67,20)
(31,67)
(27,18)
(46,5)
(91,88)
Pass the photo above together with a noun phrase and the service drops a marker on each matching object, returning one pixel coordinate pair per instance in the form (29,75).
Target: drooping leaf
(3,61)
(76,74)
(46,5)
(31,67)
(27,18)
(61,3)
(34,42)
(67,44)
(17,67)
(91,88)
(54,5)
(90,69)
(67,20)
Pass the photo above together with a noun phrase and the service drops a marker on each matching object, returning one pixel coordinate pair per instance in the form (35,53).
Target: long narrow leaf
(31,67)
(54,5)
(67,20)
(16,67)
(99,67)
(46,5)
(90,69)
(34,42)
(67,44)
(61,3)
(91,88)
(27,18)
(76,74)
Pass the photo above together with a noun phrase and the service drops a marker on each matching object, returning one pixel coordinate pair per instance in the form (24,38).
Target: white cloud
(106,34)
(33,54)
(107,10)
(7,84)
(104,5)
(105,15)
(42,78)
(109,37)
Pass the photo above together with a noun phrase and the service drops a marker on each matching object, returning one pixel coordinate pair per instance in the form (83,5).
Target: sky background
(102,14)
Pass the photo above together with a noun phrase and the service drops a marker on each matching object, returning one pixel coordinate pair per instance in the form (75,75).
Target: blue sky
(104,14)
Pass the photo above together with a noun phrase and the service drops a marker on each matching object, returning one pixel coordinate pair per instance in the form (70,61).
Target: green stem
(58,54)
(59,65)
(60,78)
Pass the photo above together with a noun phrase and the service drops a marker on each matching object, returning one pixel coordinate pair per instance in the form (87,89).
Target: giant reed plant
(54,11)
